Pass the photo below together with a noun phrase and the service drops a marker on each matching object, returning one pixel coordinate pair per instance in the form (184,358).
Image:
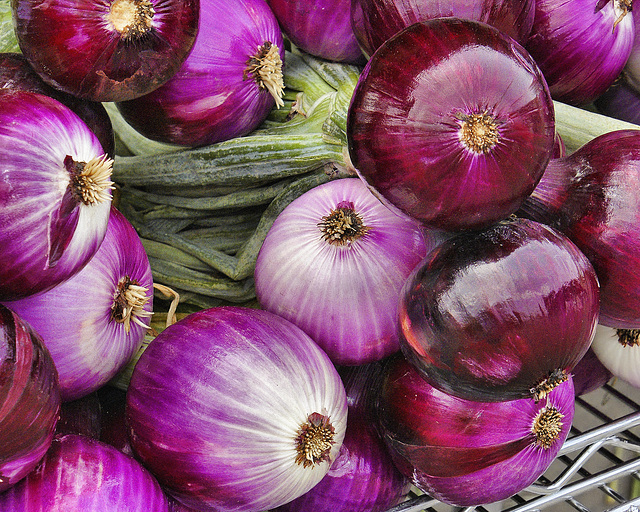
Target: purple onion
(334,262)
(84,475)
(228,84)
(29,398)
(113,427)
(581,46)
(620,101)
(55,193)
(82,416)
(591,196)
(106,51)
(464,452)
(235,409)
(501,313)
(320,28)
(589,374)
(631,71)
(106,310)
(451,122)
(375,21)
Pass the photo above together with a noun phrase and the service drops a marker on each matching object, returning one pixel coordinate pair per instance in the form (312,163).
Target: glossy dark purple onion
(375,21)
(501,313)
(102,51)
(465,452)
(30,399)
(452,123)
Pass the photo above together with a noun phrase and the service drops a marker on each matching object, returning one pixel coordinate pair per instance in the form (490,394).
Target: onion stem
(314,440)
(131,18)
(266,68)
(544,387)
(129,302)
(91,181)
(547,426)
(628,337)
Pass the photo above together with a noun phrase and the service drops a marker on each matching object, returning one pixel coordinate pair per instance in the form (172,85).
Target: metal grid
(597,469)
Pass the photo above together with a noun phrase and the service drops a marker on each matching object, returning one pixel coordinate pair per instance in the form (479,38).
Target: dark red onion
(375,21)
(320,28)
(29,398)
(589,374)
(106,51)
(228,84)
(501,313)
(17,73)
(113,428)
(452,123)
(620,101)
(581,46)
(235,409)
(82,474)
(82,416)
(591,196)
(464,452)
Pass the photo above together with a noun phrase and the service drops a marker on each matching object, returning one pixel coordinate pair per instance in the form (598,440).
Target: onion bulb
(619,351)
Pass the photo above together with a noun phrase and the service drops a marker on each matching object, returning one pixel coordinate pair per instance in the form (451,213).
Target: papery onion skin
(378,20)
(215,403)
(420,92)
(46,232)
(591,196)
(75,318)
(465,452)
(490,314)
(82,474)
(343,295)
(74,46)
(579,47)
(619,351)
(590,374)
(212,97)
(30,399)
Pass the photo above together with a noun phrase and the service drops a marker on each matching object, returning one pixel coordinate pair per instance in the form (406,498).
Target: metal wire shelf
(597,469)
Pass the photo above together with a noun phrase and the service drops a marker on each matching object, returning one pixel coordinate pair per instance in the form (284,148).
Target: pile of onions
(334,262)
(94,322)
(30,399)
(451,121)
(236,409)
(55,193)
(228,84)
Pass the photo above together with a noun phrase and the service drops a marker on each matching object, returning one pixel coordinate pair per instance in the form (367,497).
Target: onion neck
(128,304)
(266,69)
(314,440)
(91,181)
(628,337)
(478,132)
(131,18)
(343,225)
(541,390)
(547,426)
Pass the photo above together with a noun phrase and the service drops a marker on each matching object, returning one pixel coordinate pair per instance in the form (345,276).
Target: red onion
(464,452)
(82,416)
(375,21)
(334,262)
(30,399)
(590,374)
(106,51)
(451,122)
(113,428)
(619,352)
(620,101)
(500,313)
(591,196)
(581,46)
(55,193)
(94,322)
(83,474)
(228,84)
(236,409)
(321,28)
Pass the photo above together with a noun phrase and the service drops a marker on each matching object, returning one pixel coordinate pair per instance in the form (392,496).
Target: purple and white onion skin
(320,28)
(94,322)
(334,262)
(223,403)
(29,398)
(591,196)
(106,51)
(55,208)
(375,21)
(581,46)
(451,121)
(619,351)
(80,474)
(214,96)
(501,313)
(465,452)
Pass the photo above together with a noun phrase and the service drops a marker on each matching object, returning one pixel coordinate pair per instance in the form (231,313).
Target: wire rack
(597,469)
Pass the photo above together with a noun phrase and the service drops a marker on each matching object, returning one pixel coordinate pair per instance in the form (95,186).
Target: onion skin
(80,474)
(74,47)
(620,101)
(30,399)
(379,20)
(491,314)
(56,233)
(591,196)
(590,374)
(215,403)
(407,115)
(463,452)
(82,416)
